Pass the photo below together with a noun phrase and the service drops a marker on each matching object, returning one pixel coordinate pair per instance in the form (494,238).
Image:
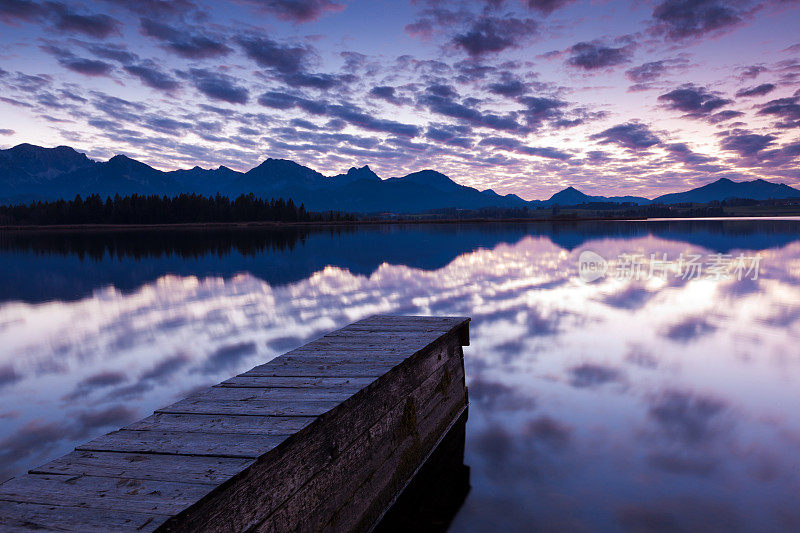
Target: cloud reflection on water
(616,405)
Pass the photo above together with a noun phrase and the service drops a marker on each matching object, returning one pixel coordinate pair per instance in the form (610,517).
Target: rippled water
(620,405)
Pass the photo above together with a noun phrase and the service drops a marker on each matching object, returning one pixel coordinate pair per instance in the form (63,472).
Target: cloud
(453,135)
(758,90)
(114,52)
(492,35)
(746,145)
(444,103)
(62,17)
(508,85)
(683,19)
(21,10)
(687,418)
(386,93)
(595,55)
(298,10)
(548,431)
(183,42)
(696,102)
(752,72)
(91,421)
(289,63)
(497,396)
(315,81)
(539,109)
(631,135)
(7,373)
(162,8)
(786,109)
(228,357)
(546,152)
(151,76)
(87,67)
(65,19)
(95,382)
(545,7)
(647,72)
(270,54)
(218,86)
(590,375)
(515,145)
(34,437)
(6,131)
(165,368)
(345,112)
(723,116)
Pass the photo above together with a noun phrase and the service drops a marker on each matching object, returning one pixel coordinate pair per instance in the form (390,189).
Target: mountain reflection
(68,265)
(615,405)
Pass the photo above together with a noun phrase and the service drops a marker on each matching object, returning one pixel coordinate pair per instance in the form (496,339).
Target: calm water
(661,403)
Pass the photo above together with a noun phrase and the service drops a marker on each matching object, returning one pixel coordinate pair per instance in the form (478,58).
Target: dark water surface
(664,403)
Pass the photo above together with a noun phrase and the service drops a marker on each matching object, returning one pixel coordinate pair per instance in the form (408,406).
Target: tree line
(154,209)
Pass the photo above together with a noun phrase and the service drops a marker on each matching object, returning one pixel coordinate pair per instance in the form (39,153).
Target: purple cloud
(696,102)
(21,10)
(68,60)
(151,76)
(594,55)
(347,113)
(631,135)
(387,93)
(489,35)
(442,101)
(746,144)
(298,10)
(758,90)
(508,85)
(545,7)
(786,109)
(268,53)
(682,19)
(218,86)
(183,42)
(97,26)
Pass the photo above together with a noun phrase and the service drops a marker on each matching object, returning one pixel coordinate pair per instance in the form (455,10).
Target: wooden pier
(324,437)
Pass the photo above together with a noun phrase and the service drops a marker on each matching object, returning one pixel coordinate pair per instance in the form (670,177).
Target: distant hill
(572,196)
(29,172)
(724,189)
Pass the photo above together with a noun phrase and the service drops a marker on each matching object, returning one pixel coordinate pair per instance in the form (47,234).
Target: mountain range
(29,173)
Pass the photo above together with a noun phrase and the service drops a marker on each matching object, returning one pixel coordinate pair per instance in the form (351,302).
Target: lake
(623,376)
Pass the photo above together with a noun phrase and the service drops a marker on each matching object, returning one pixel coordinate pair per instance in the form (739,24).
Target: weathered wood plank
(300,441)
(255,407)
(434,417)
(181,443)
(16,516)
(294,382)
(130,495)
(351,358)
(353,468)
(157,467)
(322,443)
(392,320)
(241,394)
(204,423)
(350,370)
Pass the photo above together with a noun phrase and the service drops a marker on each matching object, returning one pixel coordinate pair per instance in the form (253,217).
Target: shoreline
(195,226)
(286,225)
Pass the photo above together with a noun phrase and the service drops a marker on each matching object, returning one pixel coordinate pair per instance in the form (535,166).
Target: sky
(521,96)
